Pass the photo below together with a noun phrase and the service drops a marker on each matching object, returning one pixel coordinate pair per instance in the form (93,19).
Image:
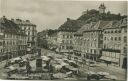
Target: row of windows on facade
(13,49)
(66,47)
(110,46)
(87,47)
(85,43)
(54,38)
(67,36)
(111,54)
(31,33)
(87,51)
(92,33)
(113,31)
(31,39)
(116,38)
(14,36)
(12,43)
(78,38)
(28,28)
(67,41)
(87,39)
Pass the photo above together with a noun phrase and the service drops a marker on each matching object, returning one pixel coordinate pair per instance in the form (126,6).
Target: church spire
(102,8)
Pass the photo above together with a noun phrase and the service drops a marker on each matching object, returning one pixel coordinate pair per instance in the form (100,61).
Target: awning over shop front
(115,60)
(45,58)
(60,75)
(109,59)
(105,58)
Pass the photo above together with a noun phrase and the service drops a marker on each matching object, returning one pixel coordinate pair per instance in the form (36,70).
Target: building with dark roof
(123,56)
(31,32)
(114,43)
(12,39)
(92,39)
(95,35)
(66,33)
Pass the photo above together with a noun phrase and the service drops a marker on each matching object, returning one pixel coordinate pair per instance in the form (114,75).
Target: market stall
(59,75)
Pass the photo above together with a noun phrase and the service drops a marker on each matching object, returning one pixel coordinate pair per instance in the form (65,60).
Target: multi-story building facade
(123,57)
(13,42)
(114,43)
(93,42)
(1,41)
(66,34)
(65,40)
(52,40)
(78,47)
(30,30)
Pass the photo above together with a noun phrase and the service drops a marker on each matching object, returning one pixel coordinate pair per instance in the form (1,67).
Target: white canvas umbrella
(60,75)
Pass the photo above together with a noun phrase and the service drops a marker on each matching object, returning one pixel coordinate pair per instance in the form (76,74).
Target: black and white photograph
(63,40)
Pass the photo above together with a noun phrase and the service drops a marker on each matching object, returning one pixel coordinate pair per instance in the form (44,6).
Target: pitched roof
(100,24)
(83,28)
(112,24)
(93,26)
(89,26)
(10,27)
(19,21)
(71,25)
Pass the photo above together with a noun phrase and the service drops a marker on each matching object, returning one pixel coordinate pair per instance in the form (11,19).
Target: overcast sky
(51,14)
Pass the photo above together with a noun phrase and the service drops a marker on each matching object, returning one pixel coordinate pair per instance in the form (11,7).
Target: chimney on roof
(27,20)
(4,17)
(85,12)
(19,20)
(68,19)
(12,19)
